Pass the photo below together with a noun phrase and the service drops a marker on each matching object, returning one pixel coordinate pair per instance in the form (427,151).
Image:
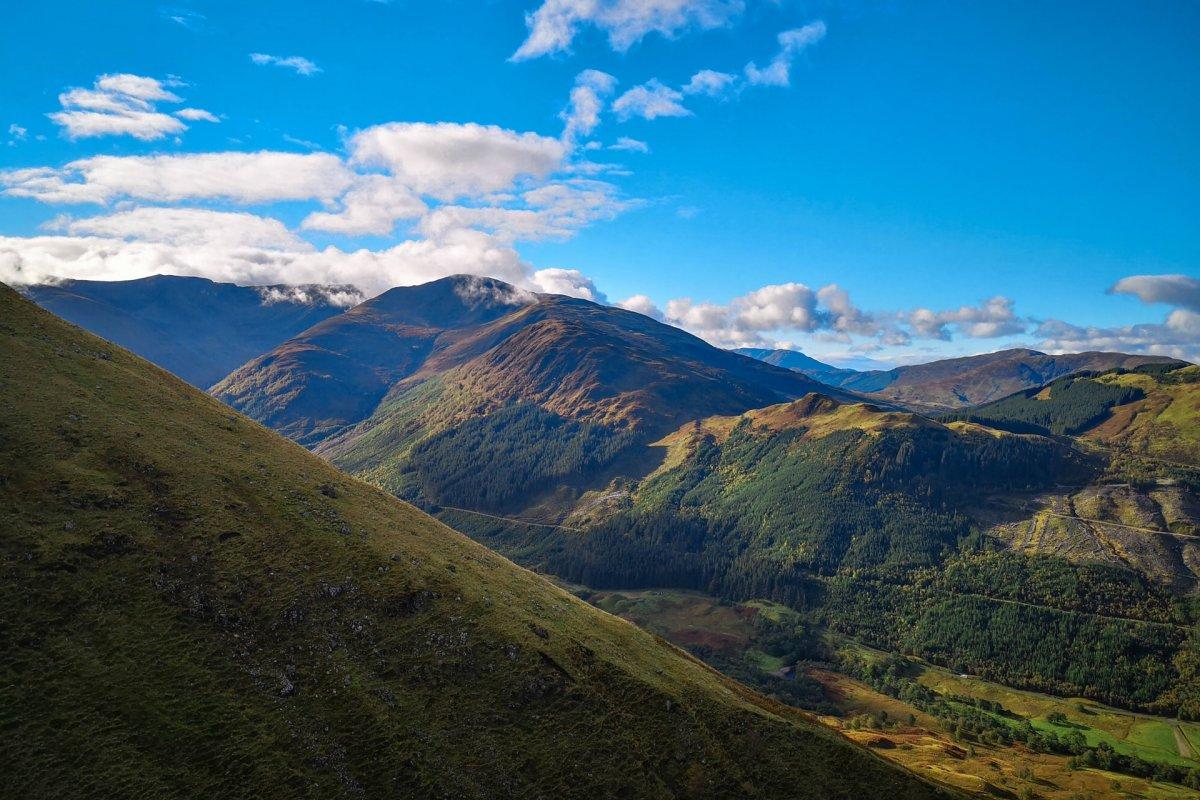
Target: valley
(811,670)
(807,541)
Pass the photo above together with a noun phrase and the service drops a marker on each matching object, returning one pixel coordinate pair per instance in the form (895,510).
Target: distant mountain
(959,382)
(795,360)
(196,328)
(194,607)
(1152,410)
(424,387)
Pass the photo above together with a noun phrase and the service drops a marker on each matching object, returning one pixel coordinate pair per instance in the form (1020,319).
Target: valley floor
(731,636)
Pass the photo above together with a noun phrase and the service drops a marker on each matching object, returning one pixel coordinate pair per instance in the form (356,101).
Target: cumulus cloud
(642,304)
(1173,290)
(448,160)
(587,101)
(570,282)
(791,44)
(41,259)
(769,314)
(298,64)
(373,205)
(708,82)
(1178,337)
(992,318)
(122,105)
(188,227)
(16,134)
(554,24)
(651,100)
(246,178)
(551,211)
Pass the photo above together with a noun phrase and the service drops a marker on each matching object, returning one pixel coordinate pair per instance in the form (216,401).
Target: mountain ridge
(208,610)
(196,328)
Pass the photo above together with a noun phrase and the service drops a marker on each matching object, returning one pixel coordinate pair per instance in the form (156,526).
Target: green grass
(191,606)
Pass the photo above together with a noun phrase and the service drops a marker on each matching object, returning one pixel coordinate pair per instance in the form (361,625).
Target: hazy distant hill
(194,607)
(959,382)
(794,359)
(194,327)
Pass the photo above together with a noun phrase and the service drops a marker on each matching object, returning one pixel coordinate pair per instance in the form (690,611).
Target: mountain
(1152,411)
(196,328)
(795,360)
(959,382)
(1013,556)
(193,606)
(470,392)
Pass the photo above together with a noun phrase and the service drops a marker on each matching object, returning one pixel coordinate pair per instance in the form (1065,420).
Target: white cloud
(570,282)
(299,64)
(791,44)
(1174,290)
(551,211)
(651,100)
(122,105)
(630,145)
(17,134)
(990,319)
(1178,337)
(708,82)
(245,178)
(553,25)
(642,304)
(587,101)
(448,160)
(197,115)
(372,206)
(44,258)
(189,227)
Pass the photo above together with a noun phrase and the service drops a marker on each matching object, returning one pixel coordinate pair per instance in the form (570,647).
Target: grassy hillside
(191,606)
(873,522)
(470,392)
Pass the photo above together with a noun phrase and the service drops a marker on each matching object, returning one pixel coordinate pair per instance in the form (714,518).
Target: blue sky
(968,176)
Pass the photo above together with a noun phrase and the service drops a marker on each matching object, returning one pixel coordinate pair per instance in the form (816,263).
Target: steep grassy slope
(191,606)
(416,401)
(194,327)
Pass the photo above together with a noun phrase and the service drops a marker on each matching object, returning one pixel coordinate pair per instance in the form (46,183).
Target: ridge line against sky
(670,156)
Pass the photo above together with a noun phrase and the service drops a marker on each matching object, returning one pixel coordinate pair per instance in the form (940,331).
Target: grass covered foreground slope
(192,606)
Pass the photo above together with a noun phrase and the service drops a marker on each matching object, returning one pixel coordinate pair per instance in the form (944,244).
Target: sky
(872,183)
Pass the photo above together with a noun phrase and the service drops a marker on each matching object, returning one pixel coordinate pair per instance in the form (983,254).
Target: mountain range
(196,328)
(957,382)
(194,606)
(1045,539)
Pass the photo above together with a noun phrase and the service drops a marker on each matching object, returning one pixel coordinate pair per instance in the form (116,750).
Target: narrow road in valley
(1068,610)
(1185,747)
(514,520)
